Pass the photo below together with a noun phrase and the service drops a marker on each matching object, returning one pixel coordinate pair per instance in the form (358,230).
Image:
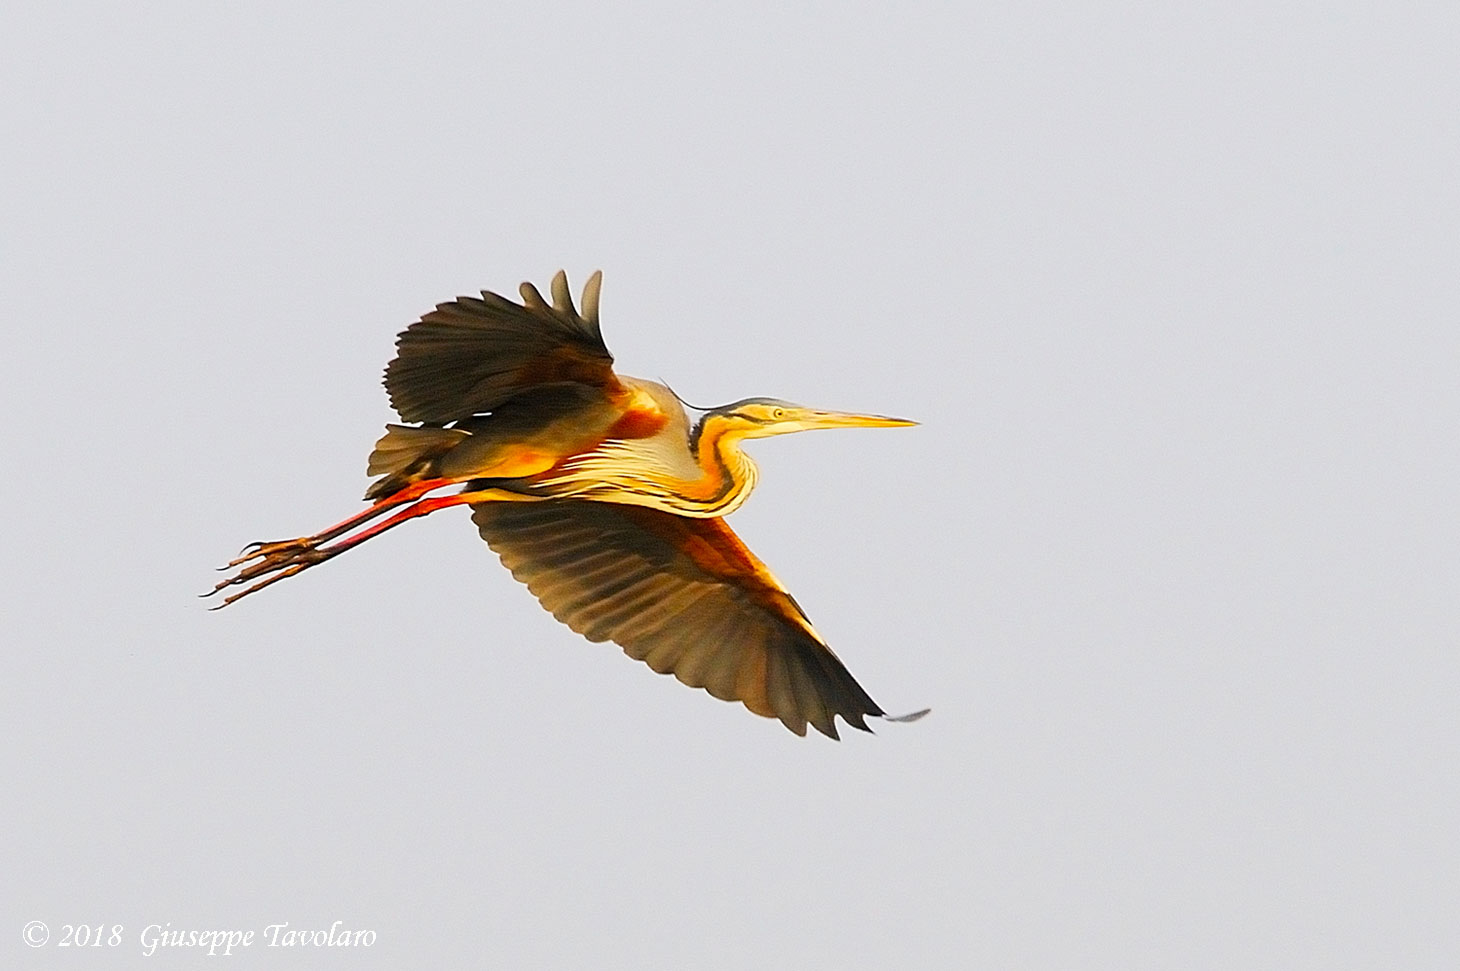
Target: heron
(600,492)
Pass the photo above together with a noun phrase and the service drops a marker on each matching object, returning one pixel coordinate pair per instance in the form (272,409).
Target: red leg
(422,508)
(287,560)
(408,494)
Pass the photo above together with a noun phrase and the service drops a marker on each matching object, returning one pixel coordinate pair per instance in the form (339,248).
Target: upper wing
(469,356)
(683,595)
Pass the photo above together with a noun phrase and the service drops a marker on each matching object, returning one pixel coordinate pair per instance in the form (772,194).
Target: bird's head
(763,417)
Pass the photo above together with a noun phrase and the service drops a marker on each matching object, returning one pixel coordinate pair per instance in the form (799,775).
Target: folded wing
(471,356)
(683,595)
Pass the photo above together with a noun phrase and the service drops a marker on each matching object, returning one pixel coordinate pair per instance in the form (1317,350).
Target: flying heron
(599,492)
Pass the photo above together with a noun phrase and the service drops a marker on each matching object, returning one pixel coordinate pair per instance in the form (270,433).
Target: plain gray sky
(1174,555)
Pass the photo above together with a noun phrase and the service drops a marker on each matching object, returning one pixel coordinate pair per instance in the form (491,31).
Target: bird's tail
(405,455)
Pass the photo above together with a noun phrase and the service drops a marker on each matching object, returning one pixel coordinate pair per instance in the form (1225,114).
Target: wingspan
(682,594)
(471,355)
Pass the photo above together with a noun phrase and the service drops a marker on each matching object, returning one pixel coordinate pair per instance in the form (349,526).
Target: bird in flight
(601,493)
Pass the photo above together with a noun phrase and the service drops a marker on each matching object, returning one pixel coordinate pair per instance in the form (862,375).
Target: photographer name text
(212,941)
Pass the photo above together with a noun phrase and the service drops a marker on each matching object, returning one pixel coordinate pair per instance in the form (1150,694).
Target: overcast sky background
(1174,555)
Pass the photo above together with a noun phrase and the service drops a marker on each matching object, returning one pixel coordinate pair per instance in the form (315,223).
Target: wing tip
(590,298)
(904,719)
(563,298)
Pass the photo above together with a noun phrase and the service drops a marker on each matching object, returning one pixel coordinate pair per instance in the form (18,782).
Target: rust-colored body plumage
(600,493)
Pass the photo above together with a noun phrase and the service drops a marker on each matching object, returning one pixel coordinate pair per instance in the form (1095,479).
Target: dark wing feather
(683,595)
(470,356)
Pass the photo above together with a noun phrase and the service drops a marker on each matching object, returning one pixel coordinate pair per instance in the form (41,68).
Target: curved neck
(727,474)
(703,475)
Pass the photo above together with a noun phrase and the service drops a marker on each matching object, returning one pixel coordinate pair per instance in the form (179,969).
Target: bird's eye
(778,413)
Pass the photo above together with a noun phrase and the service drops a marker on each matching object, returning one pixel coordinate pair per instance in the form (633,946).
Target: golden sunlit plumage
(599,493)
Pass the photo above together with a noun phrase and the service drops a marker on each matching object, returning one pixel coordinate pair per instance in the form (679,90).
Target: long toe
(284,560)
(280,562)
(254,551)
(287,572)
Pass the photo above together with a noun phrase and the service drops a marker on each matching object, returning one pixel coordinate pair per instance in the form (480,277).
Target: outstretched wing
(470,356)
(683,595)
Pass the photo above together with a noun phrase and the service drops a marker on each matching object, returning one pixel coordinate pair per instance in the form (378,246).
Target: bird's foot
(276,561)
(254,551)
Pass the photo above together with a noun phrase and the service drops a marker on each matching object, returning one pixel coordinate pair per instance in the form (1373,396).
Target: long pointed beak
(843,419)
